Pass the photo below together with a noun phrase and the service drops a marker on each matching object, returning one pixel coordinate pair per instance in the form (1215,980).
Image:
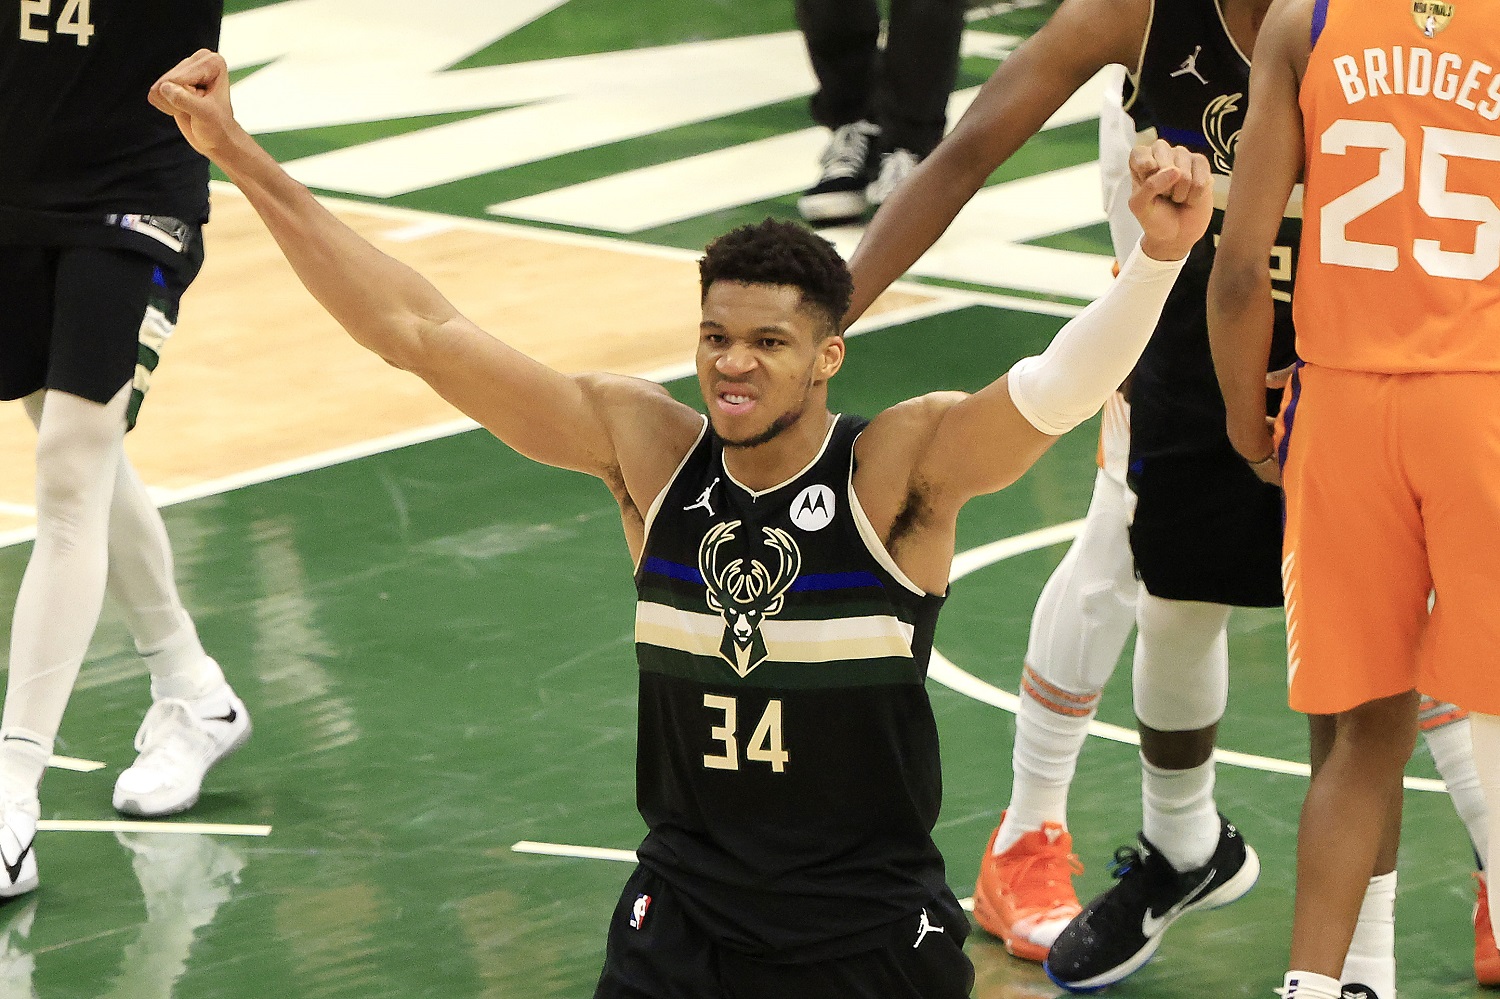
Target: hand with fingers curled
(196,93)
(1172,196)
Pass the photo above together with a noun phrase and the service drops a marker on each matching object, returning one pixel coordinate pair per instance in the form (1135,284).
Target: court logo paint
(745,596)
(812,510)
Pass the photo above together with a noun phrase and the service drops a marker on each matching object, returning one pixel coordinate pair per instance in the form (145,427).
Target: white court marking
(127,826)
(74,764)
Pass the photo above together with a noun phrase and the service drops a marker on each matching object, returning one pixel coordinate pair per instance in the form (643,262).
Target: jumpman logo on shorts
(925,927)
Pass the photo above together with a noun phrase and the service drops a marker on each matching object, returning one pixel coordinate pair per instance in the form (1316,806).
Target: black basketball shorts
(86,319)
(1206,528)
(655,952)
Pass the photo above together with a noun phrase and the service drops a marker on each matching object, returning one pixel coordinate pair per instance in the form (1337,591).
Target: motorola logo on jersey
(812,510)
(745,591)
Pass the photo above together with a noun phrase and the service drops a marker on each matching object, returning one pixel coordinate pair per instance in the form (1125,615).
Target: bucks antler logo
(1221,134)
(746,595)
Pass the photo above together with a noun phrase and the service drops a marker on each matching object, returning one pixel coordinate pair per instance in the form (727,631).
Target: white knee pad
(1087,608)
(1181,663)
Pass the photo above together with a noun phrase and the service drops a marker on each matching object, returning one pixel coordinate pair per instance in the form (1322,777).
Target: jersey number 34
(765,741)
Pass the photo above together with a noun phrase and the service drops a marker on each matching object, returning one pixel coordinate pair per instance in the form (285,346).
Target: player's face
(760,357)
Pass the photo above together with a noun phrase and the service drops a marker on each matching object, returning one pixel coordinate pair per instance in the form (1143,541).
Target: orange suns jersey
(1400,261)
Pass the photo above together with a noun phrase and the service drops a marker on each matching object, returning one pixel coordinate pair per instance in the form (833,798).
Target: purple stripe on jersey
(662,567)
(835,581)
(1319,18)
(1182,136)
(1291,416)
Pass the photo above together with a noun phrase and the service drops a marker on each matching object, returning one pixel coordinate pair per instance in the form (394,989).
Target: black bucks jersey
(788,760)
(79,136)
(1192,90)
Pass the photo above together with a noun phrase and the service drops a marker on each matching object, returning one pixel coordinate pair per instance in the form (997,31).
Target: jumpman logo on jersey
(1190,65)
(702,502)
(925,927)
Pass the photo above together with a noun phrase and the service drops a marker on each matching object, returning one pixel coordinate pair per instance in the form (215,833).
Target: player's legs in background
(1190,858)
(1445,728)
(843,38)
(1082,619)
(920,64)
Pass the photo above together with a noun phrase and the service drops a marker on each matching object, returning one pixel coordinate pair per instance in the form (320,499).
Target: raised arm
(1080,39)
(582,423)
(1267,166)
(963,446)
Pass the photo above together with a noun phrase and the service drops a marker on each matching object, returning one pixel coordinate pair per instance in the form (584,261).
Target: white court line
(580,852)
(17,509)
(178,828)
(951,676)
(74,764)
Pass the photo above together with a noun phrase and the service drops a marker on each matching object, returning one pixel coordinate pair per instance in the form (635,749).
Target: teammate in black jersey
(102,205)
(1205,532)
(789,568)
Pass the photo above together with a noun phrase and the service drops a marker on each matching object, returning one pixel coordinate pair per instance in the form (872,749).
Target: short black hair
(775,252)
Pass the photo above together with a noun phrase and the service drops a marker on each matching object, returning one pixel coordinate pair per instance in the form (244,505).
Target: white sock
(1445,727)
(184,670)
(1051,725)
(1306,985)
(1180,817)
(23,761)
(1372,953)
(1484,730)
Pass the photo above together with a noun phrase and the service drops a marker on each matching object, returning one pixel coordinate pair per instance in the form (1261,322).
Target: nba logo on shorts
(638,911)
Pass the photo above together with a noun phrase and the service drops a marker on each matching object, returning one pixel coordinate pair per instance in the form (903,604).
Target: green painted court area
(436,646)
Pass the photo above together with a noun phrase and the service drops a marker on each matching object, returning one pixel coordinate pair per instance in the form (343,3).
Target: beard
(778,426)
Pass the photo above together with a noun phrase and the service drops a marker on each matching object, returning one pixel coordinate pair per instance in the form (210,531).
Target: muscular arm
(582,423)
(1267,166)
(935,453)
(1080,39)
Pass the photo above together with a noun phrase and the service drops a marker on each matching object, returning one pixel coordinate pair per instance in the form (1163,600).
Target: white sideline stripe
(581,852)
(943,670)
(178,828)
(17,509)
(74,764)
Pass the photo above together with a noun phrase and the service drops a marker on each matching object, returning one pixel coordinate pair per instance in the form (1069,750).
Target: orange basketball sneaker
(1025,895)
(1486,957)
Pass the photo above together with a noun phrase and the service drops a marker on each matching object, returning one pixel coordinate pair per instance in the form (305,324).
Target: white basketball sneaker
(178,742)
(17,839)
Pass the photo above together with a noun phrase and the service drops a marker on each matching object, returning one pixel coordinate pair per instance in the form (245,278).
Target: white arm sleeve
(1096,350)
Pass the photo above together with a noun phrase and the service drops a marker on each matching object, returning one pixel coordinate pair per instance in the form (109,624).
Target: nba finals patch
(1431,16)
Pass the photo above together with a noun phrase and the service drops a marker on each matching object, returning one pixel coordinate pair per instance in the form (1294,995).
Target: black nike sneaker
(1359,992)
(848,168)
(1118,931)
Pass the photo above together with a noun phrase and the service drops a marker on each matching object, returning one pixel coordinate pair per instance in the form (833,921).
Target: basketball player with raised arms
(1389,441)
(790,564)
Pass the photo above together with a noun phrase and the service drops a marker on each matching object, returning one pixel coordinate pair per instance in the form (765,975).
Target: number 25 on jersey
(1433,197)
(73,20)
